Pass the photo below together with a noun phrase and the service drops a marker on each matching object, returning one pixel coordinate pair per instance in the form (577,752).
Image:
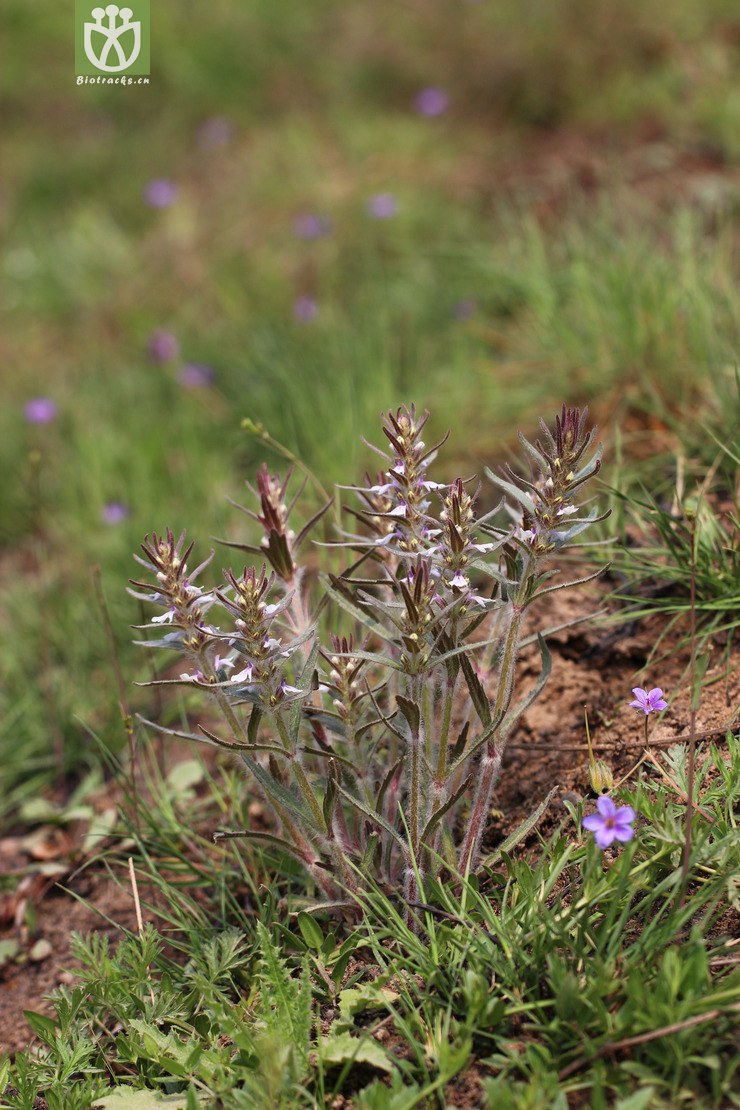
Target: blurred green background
(329,207)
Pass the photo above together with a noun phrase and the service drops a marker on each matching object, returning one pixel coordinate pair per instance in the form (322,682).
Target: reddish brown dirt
(596,666)
(55,915)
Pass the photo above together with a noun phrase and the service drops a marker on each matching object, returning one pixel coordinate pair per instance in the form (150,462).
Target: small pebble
(41,951)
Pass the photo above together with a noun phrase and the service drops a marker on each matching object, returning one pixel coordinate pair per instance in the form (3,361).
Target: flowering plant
(649,701)
(610,823)
(378,747)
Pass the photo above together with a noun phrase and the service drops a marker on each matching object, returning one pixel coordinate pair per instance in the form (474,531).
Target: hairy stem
(417,746)
(490,764)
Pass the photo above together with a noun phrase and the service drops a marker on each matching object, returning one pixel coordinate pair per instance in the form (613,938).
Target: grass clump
(557,974)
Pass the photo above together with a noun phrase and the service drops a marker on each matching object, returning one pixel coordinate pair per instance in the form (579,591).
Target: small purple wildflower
(195,375)
(163,346)
(115,512)
(305,309)
(40,410)
(464,309)
(610,823)
(382,206)
(160,193)
(649,702)
(312,225)
(432,102)
(216,131)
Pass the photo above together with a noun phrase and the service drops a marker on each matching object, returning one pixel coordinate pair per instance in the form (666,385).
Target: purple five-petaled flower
(649,701)
(610,823)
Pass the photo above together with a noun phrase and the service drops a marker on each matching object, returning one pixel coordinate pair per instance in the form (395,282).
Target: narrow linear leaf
(370,657)
(520,833)
(313,521)
(439,814)
(369,813)
(476,691)
(254,723)
(508,487)
(209,738)
(459,746)
(465,649)
(562,627)
(358,614)
(386,783)
(521,706)
(575,581)
(239,747)
(262,837)
(410,710)
(273,789)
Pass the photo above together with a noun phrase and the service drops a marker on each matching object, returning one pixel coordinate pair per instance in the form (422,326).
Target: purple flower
(195,375)
(305,309)
(40,410)
(216,131)
(160,193)
(610,823)
(115,512)
(649,702)
(383,206)
(464,309)
(311,225)
(163,346)
(432,102)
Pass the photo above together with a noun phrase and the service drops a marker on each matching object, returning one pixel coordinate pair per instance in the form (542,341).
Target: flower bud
(600,777)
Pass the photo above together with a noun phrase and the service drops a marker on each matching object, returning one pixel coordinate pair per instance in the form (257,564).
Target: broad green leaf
(368,996)
(126,1098)
(310,931)
(343,1048)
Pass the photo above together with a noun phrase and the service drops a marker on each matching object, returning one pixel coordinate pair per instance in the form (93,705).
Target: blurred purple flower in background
(196,375)
(115,512)
(432,102)
(311,225)
(216,131)
(464,309)
(160,193)
(163,346)
(40,410)
(305,309)
(610,823)
(383,206)
(649,702)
